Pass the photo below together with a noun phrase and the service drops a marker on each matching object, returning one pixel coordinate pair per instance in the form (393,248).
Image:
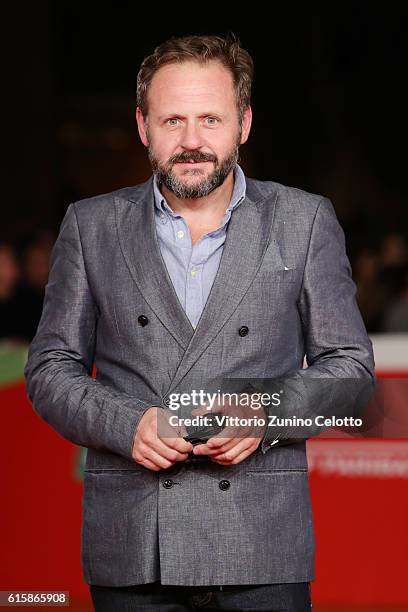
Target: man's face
(192,130)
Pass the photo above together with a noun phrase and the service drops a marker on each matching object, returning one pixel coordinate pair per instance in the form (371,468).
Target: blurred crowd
(380,273)
(24,268)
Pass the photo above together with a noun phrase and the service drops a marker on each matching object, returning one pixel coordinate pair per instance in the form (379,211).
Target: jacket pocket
(274,263)
(108,471)
(277,471)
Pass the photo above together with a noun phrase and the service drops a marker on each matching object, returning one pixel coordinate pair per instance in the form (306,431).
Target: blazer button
(168,483)
(143,320)
(243,331)
(224,485)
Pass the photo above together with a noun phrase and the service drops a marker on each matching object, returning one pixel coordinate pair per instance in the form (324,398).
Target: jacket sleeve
(340,376)
(60,358)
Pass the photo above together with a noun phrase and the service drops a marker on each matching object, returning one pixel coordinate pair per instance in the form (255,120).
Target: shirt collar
(238,193)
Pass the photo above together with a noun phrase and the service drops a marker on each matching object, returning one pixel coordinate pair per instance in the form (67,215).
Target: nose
(191,136)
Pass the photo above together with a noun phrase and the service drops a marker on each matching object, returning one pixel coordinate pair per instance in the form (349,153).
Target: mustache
(197,156)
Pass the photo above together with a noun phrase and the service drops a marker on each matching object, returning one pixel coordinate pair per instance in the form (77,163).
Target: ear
(141,126)
(246,124)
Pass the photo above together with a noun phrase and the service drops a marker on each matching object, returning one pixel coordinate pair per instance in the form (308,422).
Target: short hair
(201,49)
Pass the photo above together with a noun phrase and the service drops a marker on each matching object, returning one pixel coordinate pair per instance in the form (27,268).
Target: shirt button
(194,273)
(162,215)
(180,234)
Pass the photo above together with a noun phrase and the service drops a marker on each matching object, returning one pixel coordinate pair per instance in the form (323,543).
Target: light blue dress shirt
(192,269)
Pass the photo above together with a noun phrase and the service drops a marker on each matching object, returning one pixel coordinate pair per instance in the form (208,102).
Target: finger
(149,465)
(230,443)
(227,435)
(178,446)
(237,459)
(181,445)
(173,448)
(233,452)
(156,458)
(207,449)
(170,435)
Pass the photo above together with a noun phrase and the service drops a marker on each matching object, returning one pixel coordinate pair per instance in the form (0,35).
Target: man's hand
(158,452)
(236,442)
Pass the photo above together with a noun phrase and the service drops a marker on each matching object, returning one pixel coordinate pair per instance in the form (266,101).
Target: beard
(201,188)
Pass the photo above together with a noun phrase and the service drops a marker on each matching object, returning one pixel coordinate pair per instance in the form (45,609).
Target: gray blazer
(285,275)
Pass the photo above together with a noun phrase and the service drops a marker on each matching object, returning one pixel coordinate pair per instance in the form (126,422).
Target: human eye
(211,120)
(172,121)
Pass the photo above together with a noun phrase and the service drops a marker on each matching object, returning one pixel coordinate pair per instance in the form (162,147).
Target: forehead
(191,85)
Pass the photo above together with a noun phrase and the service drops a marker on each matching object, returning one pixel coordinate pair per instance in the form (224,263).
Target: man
(199,272)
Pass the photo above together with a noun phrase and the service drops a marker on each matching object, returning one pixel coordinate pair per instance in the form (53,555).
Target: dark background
(329,101)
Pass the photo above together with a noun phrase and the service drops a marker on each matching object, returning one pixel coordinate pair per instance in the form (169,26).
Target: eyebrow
(179,116)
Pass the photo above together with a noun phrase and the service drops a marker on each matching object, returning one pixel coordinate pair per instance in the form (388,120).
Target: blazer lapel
(247,238)
(138,241)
